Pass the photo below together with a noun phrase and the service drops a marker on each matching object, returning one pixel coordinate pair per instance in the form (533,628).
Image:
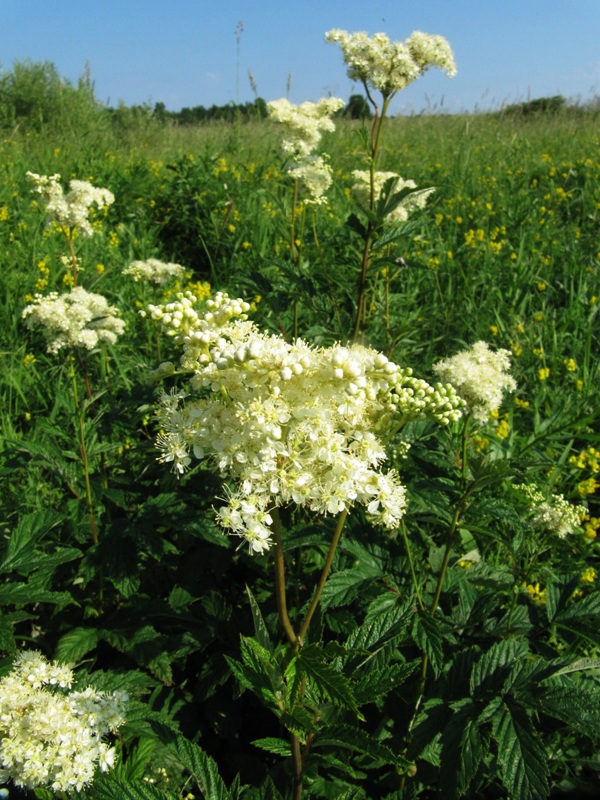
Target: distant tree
(541,105)
(34,95)
(357,108)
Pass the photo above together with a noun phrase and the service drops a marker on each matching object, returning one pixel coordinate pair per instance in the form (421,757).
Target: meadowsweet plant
(70,211)
(552,514)
(303,128)
(290,423)
(52,736)
(385,67)
(76,319)
(480,376)
(154,271)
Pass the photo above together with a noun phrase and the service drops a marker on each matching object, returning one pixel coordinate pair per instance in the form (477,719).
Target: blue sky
(185,53)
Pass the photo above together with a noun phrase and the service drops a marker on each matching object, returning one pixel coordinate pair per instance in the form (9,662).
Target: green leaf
(278,746)
(7,639)
(75,644)
(372,684)
(202,768)
(490,671)
(353,738)
(558,595)
(464,747)
(587,606)
(577,705)
(428,637)
(260,629)
(522,759)
(135,767)
(325,679)
(21,544)
(109,788)
(375,641)
(343,586)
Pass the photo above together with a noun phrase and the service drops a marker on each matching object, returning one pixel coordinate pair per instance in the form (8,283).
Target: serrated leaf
(577,705)
(29,593)
(201,767)
(73,645)
(427,635)
(353,738)
(587,606)
(464,746)
(29,531)
(374,641)
(373,684)
(108,788)
(138,758)
(558,595)
(522,759)
(260,629)
(491,669)
(277,746)
(343,586)
(325,679)
(7,639)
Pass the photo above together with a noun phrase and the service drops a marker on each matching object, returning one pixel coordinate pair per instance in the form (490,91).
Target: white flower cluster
(391,66)
(70,210)
(304,126)
(480,376)
(554,513)
(288,423)
(50,737)
(153,271)
(76,319)
(362,191)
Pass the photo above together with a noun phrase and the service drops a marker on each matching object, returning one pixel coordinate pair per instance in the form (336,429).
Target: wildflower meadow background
(299,454)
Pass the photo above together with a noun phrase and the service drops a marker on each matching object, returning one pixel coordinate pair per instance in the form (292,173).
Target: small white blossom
(287,423)
(553,513)
(304,126)
(76,319)
(391,66)
(362,191)
(52,738)
(153,271)
(70,210)
(480,376)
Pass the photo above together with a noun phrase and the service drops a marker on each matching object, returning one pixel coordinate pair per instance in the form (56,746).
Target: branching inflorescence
(49,736)
(288,423)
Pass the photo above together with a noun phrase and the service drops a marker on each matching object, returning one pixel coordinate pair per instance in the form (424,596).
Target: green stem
(280,581)
(411,563)
(376,129)
(84,458)
(325,572)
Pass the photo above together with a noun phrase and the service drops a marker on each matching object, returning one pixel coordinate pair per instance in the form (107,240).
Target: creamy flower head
(391,66)
(415,200)
(49,736)
(314,173)
(553,513)
(480,376)
(153,271)
(304,124)
(70,210)
(287,422)
(76,319)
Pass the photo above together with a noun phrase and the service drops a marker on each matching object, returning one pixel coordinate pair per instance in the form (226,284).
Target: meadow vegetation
(434,635)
